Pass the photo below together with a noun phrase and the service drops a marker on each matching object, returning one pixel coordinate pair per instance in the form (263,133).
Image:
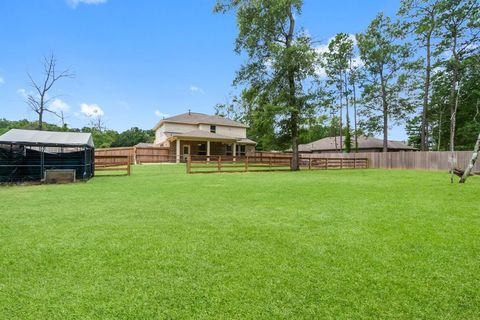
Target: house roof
(246,141)
(47,138)
(200,134)
(201,118)
(363,143)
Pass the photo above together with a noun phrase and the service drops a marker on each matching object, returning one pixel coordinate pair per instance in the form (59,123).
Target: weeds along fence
(411,160)
(215,164)
(138,155)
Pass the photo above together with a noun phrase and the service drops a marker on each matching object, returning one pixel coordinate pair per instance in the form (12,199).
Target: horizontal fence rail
(333,163)
(113,163)
(139,155)
(410,160)
(213,164)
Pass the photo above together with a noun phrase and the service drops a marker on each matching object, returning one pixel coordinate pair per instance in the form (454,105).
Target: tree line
(103,138)
(419,68)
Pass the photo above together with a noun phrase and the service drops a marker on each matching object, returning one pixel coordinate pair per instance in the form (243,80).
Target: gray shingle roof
(204,135)
(201,118)
(48,138)
(326,144)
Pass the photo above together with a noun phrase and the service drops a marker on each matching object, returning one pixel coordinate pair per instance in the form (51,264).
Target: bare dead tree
(62,117)
(39,101)
(97,123)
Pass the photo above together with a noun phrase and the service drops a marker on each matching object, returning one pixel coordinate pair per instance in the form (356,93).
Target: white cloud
(58,105)
(91,110)
(23,93)
(75,3)
(2,81)
(196,89)
(323,48)
(160,114)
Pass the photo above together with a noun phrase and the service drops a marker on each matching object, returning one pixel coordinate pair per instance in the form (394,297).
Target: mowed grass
(161,244)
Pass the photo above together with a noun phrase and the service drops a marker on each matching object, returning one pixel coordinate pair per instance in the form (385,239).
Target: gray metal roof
(201,118)
(47,138)
(328,144)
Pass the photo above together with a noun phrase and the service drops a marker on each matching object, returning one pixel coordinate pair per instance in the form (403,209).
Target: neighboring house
(365,144)
(203,135)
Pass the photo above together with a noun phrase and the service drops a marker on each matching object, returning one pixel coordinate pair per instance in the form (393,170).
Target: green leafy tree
(422,20)
(337,65)
(281,59)
(385,80)
(468,115)
(133,136)
(459,40)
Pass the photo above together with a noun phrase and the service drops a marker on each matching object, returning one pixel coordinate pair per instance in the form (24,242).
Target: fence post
(246,164)
(326,163)
(309,163)
(128,166)
(135,155)
(219,163)
(270,163)
(341,163)
(189,164)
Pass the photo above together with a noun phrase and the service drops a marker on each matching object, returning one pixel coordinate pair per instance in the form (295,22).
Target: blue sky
(139,59)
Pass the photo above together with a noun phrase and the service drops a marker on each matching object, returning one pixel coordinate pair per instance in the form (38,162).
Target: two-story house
(203,135)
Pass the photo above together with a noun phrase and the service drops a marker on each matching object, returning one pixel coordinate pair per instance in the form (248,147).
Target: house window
(202,149)
(228,150)
(241,150)
(213,129)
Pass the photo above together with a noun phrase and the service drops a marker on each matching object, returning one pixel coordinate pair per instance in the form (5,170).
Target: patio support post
(208,150)
(177,160)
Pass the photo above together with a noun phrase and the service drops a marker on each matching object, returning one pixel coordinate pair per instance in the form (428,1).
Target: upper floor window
(213,129)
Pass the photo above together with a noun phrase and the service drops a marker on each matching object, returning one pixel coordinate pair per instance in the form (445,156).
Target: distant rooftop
(328,144)
(201,118)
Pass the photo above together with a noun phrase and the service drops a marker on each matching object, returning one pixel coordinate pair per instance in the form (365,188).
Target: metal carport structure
(26,154)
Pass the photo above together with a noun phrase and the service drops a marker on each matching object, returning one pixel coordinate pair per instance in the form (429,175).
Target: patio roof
(200,134)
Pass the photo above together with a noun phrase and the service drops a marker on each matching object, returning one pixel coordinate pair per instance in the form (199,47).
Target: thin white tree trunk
(472,161)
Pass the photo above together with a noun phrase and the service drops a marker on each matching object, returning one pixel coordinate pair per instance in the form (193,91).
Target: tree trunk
(472,161)
(294,116)
(40,120)
(385,114)
(347,148)
(453,107)
(426,95)
(354,109)
(341,114)
(439,130)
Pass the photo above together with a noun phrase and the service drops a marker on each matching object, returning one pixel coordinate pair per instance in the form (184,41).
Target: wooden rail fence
(138,155)
(113,163)
(215,164)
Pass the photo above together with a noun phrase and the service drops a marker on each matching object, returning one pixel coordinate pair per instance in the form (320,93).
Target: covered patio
(202,143)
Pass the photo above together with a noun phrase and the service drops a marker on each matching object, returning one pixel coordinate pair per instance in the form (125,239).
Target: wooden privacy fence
(212,164)
(411,160)
(138,155)
(113,163)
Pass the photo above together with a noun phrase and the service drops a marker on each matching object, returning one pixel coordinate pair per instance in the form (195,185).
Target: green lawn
(364,244)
